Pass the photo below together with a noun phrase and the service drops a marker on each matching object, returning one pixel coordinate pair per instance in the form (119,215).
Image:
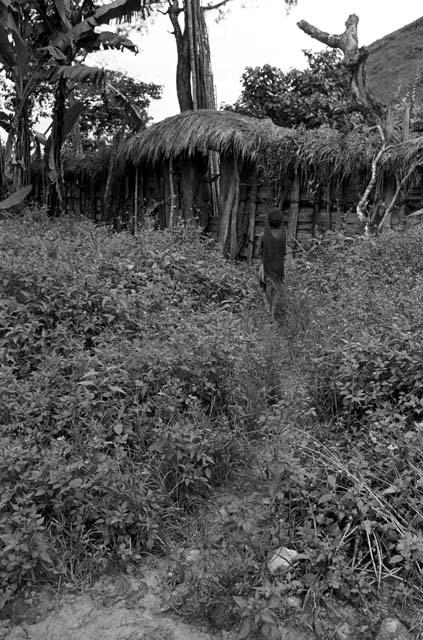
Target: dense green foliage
(344,453)
(120,107)
(136,377)
(313,97)
(130,386)
(354,486)
(106,114)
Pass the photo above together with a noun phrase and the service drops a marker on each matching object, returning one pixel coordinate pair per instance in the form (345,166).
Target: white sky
(261,33)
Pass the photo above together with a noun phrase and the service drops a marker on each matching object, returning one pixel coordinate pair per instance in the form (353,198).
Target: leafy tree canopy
(123,104)
(122,107)
(313,97)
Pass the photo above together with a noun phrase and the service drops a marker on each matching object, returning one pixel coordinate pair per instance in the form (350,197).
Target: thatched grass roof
(324,152)
(186,134)
(200,131)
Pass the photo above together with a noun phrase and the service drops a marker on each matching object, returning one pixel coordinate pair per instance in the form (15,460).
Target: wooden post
(227,212)
(389,122)
(166,206)
(316,213)
(141,196)
(293,217)
(388,196)
(226,198)
(135,217)
(328,207)
(77,199)
(213,173)
(234,216)
(339,198)
(171,194)
(406,121)
(252,216)
(190,179)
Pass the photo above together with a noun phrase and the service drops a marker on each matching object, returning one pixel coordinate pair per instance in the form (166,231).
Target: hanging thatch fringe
(198,132)
(320,152)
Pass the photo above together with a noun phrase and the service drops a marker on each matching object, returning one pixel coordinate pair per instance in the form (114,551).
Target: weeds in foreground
(129,390)
(345,482)
(134,386)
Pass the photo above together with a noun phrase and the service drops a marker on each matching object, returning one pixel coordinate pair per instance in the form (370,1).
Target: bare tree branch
(347,41)
(389,209)
(209,7)
(361,206)
(355,60)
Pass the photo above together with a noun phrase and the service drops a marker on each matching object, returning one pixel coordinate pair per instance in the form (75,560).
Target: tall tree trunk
(190,20)
(75,135)
(22,150)
(54,159)
(355,60)
(194,77)
(205,97)
(183,67)
(17,151)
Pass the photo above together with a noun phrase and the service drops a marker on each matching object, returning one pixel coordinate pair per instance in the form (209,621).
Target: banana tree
(74,36)
(40,41)
(15,56)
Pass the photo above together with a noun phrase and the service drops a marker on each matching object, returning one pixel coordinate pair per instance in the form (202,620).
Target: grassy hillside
(396,60)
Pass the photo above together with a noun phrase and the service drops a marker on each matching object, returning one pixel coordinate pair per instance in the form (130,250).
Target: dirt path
(123,607)
(116,608)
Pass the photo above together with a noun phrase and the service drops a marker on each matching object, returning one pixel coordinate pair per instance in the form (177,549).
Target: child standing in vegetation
(272,245)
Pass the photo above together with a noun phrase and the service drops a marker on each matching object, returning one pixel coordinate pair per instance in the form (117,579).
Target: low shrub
(353,511)
(349,488)
(372,382)
(347,289)
(129,381)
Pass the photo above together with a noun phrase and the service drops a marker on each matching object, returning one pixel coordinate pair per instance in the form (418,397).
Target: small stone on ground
(392,629)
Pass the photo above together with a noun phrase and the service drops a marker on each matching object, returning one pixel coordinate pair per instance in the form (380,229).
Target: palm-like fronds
(16,198)
(80,73)
(107,40)
(7,54)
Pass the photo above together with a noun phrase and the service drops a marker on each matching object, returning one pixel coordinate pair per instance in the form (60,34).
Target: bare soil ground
(115,608)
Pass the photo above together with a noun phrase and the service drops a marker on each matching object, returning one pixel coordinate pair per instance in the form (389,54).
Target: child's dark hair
(275,217)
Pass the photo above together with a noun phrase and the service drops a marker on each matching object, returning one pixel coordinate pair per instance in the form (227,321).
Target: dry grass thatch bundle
(196,132)
(199,131)
(323,152)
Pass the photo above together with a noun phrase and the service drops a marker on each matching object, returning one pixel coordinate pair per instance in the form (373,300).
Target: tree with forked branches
(362,100)
(194,80)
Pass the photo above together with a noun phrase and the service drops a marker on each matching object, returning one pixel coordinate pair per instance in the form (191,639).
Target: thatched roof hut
(235,166)
(198,132)
(250,139)
(202,161)
(228,168)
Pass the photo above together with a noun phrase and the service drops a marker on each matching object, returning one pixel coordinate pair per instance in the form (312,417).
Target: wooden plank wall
(309,210)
